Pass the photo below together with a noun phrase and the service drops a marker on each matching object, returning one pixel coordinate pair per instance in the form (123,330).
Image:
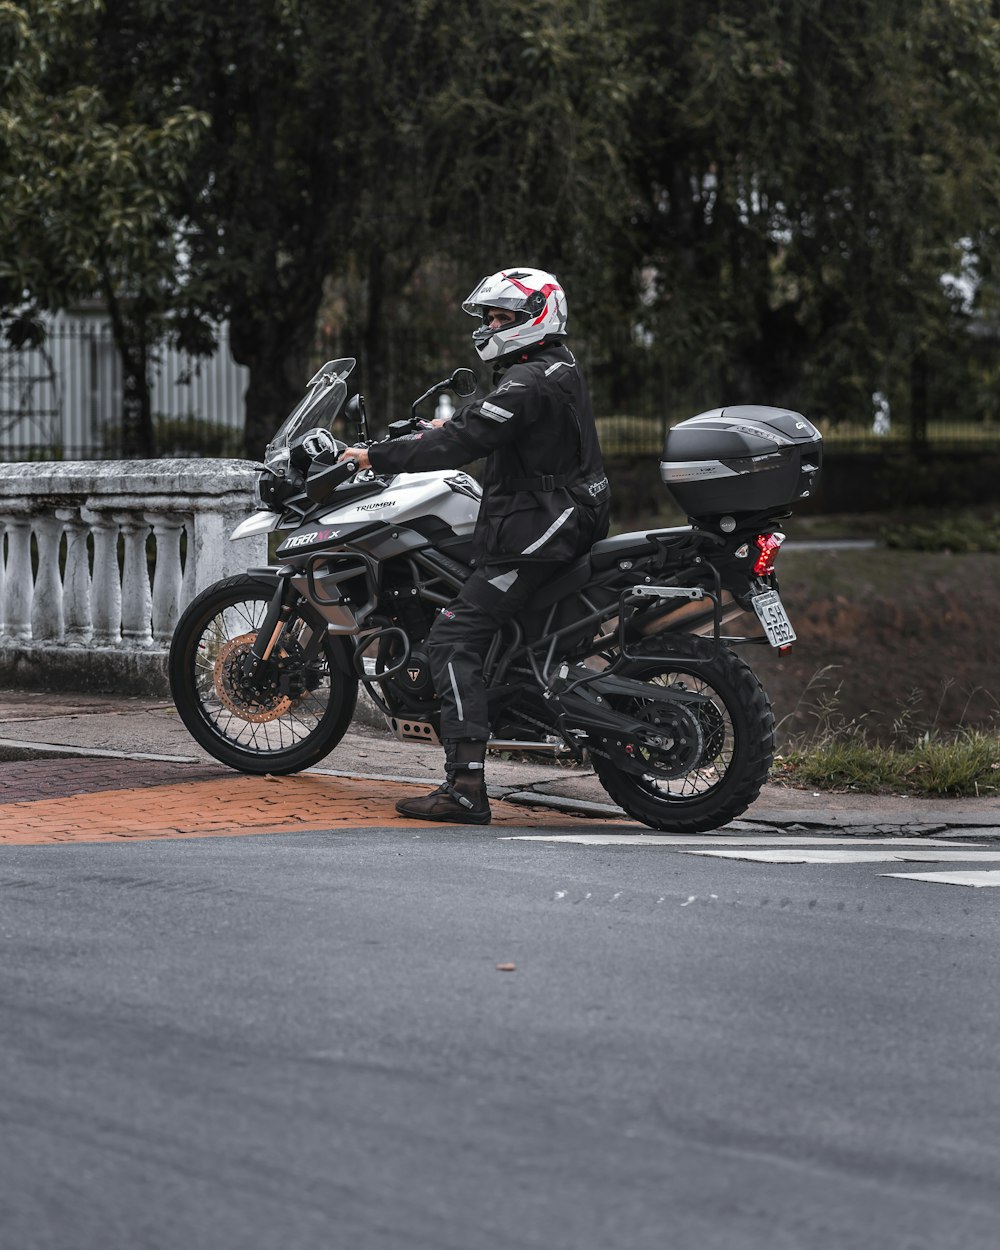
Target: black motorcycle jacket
(546,495)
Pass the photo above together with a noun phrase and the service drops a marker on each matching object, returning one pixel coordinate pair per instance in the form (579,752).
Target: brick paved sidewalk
(97,800)
(26,780)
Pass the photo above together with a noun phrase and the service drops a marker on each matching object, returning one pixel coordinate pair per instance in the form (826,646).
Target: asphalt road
(305,1041)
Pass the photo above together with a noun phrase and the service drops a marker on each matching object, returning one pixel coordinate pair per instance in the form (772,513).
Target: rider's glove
(317,441)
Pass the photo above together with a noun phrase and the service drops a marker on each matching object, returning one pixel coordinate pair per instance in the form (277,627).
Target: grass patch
(846,754)
(963,532)
(879,573)
(952,434)
(967,766)
(630,435)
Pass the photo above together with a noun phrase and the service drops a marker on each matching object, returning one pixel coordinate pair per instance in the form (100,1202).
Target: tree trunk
(275,341)
(130,330)
(376,362)
(919,400)
(138,435)
(270,397)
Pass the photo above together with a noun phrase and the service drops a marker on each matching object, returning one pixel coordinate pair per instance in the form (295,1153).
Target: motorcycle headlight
(266,489)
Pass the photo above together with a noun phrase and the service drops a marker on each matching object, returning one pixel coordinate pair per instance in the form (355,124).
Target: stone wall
(98,558)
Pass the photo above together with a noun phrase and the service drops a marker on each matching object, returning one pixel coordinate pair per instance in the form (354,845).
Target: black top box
(743,459)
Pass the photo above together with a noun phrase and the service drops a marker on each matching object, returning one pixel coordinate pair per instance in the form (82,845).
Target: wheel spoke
(705,776)
(717,739)
(267,728)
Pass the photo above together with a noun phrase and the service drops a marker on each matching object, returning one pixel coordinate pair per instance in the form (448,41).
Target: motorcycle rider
(545,502)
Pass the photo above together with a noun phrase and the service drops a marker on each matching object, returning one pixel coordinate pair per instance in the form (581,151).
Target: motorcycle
(622,660)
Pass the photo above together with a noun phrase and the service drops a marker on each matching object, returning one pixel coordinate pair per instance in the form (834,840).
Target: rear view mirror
(464,382)
(355,411)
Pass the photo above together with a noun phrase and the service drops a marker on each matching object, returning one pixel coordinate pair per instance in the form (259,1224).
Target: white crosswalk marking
(721,840)
(805,855)
(950,878)
(812,849)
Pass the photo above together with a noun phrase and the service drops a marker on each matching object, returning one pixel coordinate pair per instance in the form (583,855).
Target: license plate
(772,616)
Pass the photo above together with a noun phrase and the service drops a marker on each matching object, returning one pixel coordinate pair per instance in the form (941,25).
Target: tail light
(769,545)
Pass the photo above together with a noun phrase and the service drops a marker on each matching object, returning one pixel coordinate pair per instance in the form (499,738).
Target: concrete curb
(764,821)
(60,669)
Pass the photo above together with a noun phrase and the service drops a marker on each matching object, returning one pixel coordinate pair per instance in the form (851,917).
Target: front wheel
(717,748)
(289,724)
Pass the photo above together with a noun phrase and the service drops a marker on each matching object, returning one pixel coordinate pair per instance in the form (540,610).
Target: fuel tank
(447,496)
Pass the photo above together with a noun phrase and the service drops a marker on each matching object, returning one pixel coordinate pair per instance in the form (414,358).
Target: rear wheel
(716,750)
(282,725)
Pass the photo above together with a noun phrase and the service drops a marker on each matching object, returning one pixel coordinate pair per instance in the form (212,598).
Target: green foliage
(352,151)
(806,174)
(745,201)
(965,766)
(497,135)
(961,532)
(535,106)
(188,436)
(911,756)
(85,195)
(195,436)
(636,436)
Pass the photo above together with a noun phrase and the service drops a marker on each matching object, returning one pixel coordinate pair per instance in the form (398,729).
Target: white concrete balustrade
(78,612)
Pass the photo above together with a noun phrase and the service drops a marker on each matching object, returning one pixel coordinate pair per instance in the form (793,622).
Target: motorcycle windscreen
(319,407)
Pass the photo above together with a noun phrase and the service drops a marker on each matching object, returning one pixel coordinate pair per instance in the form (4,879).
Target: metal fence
(627,435)
(62,399)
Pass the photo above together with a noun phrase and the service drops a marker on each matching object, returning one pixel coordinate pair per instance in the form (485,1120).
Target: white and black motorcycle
(622,658)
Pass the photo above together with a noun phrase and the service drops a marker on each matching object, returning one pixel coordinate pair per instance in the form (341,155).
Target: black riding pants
(461,636)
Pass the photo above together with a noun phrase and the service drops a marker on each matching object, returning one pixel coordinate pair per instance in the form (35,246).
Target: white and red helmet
(537,301)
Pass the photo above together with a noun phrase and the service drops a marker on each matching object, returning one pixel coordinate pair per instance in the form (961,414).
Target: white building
(63,399)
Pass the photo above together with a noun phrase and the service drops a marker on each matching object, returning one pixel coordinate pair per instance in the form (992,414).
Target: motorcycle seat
(609,551)
(576,576)
(622,547)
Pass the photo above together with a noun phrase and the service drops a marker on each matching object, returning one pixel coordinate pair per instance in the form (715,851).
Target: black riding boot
(461,800)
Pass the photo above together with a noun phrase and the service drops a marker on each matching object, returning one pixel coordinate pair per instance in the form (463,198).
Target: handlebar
(321,485)
(397,429)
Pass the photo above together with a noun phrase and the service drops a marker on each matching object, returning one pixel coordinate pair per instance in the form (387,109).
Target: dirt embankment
(887,637)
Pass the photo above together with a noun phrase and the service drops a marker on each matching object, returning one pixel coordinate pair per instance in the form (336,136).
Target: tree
(361,150)
(763,197)
(85,197)
(539,105)
(507,122)
(807,174)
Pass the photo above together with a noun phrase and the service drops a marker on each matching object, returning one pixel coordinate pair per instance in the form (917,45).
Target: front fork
(279,610)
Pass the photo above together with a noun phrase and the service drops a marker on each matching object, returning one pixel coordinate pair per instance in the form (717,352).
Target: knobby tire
(736,689)
(193,696)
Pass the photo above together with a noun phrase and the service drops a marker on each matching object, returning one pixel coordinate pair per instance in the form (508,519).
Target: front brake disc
(255,706)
